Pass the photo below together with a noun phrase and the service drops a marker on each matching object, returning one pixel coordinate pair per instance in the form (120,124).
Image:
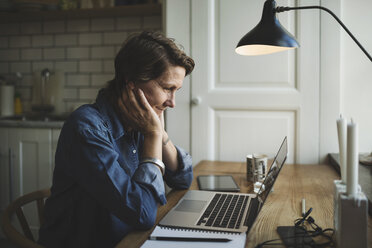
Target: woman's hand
(137,111)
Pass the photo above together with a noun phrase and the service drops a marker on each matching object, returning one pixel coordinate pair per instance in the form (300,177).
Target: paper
(237,239)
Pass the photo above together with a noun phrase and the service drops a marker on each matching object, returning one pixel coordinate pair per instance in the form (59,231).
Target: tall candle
(341,131)
(352,159)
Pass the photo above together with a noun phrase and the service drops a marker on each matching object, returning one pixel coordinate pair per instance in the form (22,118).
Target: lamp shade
(269,36)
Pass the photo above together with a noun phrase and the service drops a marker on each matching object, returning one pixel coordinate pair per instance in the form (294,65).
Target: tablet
(225,183)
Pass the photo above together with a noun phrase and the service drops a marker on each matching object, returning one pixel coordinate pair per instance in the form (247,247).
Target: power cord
(304,228)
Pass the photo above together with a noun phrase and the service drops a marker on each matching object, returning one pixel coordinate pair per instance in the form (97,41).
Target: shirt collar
(109,115)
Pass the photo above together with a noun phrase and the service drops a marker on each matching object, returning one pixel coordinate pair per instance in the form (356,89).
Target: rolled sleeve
(181,178)
(147,174)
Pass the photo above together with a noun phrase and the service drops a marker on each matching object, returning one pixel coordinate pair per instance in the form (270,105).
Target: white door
(4,169)
(243,105)
(32,166)
(32,150)
(4,172)
(55,136)
(248,104)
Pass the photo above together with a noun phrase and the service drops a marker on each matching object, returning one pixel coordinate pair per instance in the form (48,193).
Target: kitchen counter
(33,121)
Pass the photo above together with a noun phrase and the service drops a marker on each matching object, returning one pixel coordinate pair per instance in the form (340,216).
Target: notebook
(221,211)
(237,239)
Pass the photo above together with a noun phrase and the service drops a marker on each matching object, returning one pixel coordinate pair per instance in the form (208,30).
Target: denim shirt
(100,192)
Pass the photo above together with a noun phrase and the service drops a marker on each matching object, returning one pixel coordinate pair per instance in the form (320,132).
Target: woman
(113,155)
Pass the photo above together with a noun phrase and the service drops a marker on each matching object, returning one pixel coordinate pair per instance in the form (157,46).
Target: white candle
(352,159)
(341,131)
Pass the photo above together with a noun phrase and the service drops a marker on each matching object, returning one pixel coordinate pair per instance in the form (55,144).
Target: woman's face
(161,93)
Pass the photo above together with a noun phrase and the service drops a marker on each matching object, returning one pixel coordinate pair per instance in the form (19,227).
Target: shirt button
(134,151)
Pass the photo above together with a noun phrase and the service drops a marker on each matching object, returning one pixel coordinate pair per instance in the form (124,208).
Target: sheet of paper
(238,239)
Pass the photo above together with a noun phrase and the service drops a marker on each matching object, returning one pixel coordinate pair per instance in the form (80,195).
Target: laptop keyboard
(225,210)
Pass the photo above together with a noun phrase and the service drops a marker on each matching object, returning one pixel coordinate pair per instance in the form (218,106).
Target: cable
(300,225)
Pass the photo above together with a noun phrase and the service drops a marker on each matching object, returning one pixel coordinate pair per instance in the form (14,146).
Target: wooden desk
(283,205)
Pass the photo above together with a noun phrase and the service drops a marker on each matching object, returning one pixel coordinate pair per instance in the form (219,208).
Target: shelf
(119,11)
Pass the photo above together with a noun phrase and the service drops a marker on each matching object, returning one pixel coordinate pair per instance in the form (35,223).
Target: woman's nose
(171,102)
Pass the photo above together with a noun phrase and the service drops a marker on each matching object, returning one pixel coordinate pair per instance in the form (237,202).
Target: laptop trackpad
(191,206)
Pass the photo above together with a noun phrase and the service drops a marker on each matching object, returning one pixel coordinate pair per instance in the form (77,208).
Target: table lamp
(269,36)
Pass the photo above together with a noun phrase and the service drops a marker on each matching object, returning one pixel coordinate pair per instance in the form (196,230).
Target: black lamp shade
(269,36)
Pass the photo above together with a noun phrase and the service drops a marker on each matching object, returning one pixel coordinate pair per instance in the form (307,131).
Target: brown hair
(147,56)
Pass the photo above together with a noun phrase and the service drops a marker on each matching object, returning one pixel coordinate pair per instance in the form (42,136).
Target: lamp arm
(282,9)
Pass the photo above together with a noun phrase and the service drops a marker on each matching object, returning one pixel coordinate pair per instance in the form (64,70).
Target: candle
(352,159)
(341,131)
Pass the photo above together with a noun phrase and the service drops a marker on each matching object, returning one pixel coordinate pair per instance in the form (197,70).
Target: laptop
(221,211)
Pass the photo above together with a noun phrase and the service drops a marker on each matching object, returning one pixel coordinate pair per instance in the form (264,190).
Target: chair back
(26,239)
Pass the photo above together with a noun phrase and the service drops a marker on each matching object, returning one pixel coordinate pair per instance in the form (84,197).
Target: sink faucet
(44,79)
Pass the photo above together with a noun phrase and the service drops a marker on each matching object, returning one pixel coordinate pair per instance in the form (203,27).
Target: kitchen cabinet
(26,164)
(118,11)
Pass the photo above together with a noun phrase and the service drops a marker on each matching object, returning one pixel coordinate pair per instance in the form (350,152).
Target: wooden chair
(26,240)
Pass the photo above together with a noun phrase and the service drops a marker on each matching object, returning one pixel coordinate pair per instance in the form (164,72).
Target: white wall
(356,68)
(84,49)
(345,72)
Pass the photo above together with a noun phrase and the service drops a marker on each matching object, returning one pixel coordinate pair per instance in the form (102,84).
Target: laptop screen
(273,172)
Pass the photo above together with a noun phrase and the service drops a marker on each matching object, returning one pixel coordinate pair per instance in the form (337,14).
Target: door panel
(233,20)
(32,165)
(248,104)
(242,126)
(4,169)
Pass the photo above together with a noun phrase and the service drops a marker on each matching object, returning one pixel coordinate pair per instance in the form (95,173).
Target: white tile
(117,49)
(4,67)
(54,53)
(88,93)
(20,41)
(77,80)
(100,80)
(66,66)
(152,22)
(42,65)
(24,67)
(73,105)
(31,54)
(27,80)
(9,54)
(4,42)
(42,40)
(70,93)
(116,38)
(127,23)
(53,27)
(9,28)
(66,39)
(78,25)
(102,24)
(90,66)
(103,52)
(108,66)
(31,28)
(90,39)
(26,94)
(78,53)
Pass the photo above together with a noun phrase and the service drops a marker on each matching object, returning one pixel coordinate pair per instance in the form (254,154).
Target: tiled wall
(84,49)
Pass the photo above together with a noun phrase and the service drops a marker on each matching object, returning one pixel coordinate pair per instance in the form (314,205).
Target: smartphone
(293,236)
